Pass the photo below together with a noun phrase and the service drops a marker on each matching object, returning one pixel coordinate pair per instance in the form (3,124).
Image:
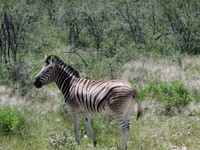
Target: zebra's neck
(65,75)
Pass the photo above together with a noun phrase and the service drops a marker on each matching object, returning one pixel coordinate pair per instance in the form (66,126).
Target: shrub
(12,121)
(4,74)
(61,141)
(171,94)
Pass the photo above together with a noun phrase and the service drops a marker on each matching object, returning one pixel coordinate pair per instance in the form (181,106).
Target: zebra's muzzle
(37,82)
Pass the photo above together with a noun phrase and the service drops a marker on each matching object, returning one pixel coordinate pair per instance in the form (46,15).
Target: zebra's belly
(100,111)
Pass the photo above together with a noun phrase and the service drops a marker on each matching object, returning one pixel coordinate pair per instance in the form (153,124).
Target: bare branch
(79,56)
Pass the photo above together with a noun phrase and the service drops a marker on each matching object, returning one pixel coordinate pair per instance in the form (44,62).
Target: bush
(12,121)
(4,74)
(61,141)
(171,94)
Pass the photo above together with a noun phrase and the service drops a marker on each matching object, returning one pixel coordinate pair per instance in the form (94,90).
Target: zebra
(90,96)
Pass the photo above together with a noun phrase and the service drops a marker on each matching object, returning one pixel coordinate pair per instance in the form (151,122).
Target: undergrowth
(12,121)
(171,94)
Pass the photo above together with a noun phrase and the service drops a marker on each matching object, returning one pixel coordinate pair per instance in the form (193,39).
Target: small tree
(181,24)
(15,26)
(9,34)
(96,21)
(132,16)
(69,18)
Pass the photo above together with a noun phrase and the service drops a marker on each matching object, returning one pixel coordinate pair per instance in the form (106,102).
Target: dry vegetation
(164,69)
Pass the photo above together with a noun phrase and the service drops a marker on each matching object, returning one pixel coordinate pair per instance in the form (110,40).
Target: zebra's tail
(139,104)
(139,111)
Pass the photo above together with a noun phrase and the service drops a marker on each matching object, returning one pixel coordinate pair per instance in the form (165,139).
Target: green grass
(195,95)
(164,132)
(52,131)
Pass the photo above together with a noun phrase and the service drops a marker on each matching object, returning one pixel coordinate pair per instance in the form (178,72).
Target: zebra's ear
(45,56)
(52,60)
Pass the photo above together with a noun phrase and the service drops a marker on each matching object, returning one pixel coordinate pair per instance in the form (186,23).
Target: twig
(79,56)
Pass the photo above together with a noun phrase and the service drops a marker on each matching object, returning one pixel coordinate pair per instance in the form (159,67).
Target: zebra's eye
(46,63)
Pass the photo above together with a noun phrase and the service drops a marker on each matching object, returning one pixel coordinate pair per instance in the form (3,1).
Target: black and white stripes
(90,96)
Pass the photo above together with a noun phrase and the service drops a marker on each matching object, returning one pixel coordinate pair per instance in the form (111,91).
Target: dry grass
(6,97)
(148,69)
(41,101)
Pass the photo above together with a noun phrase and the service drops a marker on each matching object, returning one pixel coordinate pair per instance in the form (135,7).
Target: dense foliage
(12,121)
(104,26)
(172,95)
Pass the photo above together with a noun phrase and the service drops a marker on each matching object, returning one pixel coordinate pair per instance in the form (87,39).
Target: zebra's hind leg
(76,126)
(89,127)
(123,115)
(125,127)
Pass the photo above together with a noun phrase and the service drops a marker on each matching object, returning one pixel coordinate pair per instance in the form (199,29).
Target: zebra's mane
(59,62)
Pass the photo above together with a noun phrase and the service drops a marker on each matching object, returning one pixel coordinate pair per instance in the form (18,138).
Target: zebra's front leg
(76,126)
(89,127)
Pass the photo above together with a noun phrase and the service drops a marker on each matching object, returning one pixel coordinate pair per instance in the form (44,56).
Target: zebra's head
(47,74)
